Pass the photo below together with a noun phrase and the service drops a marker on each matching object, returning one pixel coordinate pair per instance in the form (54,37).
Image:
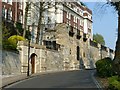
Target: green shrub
(11,43)
(114,83)
(7,46)
(104,67)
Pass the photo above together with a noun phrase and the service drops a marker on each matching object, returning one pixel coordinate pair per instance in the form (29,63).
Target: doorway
(33,62)
(78,52)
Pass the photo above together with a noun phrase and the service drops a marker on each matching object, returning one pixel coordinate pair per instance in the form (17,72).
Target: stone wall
(54,61)
(46,60)
(97,52)
(66,57)
(11,63)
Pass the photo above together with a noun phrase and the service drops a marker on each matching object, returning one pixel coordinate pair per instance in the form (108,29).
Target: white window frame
(9,14)
(20,5)
(4,1)
(67,14)
(9,2)
(3,11)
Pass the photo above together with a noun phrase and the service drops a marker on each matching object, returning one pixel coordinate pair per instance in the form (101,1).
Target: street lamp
(29,38)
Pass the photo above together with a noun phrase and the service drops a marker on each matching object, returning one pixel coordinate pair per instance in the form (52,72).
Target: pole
(28,56)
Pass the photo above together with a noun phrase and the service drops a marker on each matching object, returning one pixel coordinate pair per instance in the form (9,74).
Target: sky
(104,22)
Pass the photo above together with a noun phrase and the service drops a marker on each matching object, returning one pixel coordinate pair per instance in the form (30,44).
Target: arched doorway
(33,62)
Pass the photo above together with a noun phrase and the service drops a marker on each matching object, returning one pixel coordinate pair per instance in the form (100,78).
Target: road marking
(96,82)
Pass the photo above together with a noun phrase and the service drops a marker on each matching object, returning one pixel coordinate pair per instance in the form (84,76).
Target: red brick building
(12,11)
(78,17)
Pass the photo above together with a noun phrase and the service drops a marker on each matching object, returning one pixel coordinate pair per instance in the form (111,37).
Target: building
(73,41)
(78,20)
(12,11)
(76,15)
(67,38)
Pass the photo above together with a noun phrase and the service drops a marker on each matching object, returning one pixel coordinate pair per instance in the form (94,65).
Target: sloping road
(68,79)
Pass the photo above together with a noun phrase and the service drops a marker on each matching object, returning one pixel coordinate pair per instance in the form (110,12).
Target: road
(68,79)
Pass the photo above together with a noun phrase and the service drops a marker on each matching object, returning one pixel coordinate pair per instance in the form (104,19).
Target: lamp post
(29,38)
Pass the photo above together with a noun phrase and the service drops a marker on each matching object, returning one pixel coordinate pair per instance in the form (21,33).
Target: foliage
(5,32)
(7,46)
(104,67)
(116,5)
(28,4)
(19,28)
(114,83)
(11,43)
(99,38)
(82,3)
(28,34)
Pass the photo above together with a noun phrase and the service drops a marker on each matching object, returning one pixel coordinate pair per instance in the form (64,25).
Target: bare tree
(42,7)
(116,5)
(25,18)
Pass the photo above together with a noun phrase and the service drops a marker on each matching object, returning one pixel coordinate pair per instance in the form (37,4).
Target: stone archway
(33,62)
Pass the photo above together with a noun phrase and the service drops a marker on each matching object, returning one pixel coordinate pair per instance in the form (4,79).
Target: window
(3,12)
(84,54)
(9,1)
(78,32)
(9,17)
(20,17)
(78,10)
(75,19)
(81,22)
(4,1)
(68,15)
(70,50)
(20,5)
(72,6)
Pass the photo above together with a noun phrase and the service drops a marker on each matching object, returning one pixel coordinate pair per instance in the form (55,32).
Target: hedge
(104,67)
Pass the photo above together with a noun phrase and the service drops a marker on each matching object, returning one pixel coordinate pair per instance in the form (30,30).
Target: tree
(116,61)
(42,7)
(98,38)
(25,18)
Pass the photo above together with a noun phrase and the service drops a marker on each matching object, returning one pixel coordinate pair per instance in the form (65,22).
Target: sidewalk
(10,79)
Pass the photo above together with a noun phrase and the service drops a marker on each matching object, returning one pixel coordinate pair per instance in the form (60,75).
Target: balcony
(71,33)
(84,37)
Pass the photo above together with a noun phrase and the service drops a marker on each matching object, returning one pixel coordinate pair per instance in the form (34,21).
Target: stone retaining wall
(11,63)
